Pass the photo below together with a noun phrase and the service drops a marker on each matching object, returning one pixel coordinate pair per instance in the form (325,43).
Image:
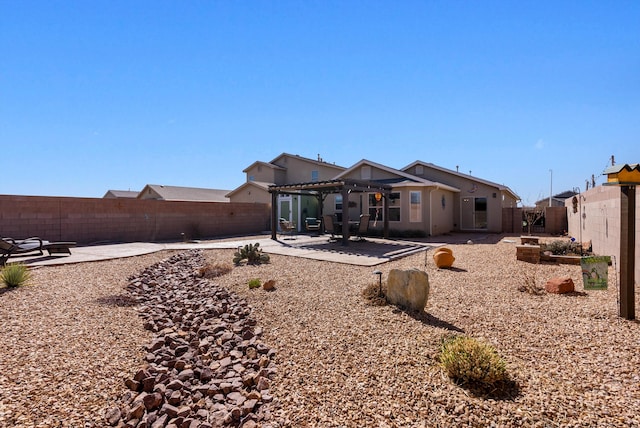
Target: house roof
(177,193)
(262,185)
(318,161)
(121,194)
(500,187)
(403,177)
(560,197)
(268,165)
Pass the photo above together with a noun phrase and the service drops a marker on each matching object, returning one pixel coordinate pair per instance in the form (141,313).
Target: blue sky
(98,95)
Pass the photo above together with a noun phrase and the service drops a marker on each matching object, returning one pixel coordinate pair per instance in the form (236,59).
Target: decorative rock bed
(206,366)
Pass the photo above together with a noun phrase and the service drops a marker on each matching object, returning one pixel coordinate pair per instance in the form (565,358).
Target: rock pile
(206,366)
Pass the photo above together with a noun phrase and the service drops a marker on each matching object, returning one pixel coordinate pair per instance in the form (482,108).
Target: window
(314,175)
(338,203)
(394,206)
(375,207)
(365,172)
(252,178)
(415,207)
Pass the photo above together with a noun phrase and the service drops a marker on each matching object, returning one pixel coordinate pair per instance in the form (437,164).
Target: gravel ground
(66,344)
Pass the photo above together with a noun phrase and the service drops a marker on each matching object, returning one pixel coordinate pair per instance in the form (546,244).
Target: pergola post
(627,251)
(627,177)
(385,210)
(345,215)
(274,215)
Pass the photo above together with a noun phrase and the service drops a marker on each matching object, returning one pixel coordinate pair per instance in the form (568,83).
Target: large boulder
(560,285)
(408,288)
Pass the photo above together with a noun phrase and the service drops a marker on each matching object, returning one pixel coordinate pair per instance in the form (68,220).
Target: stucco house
(121,194)
(178,193)
(285,168)
(424,197)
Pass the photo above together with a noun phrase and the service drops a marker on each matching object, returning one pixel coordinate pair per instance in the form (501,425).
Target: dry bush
(529,282)
(372,294)
(214,270)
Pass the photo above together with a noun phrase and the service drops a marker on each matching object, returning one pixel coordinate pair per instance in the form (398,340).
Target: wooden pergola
(320,189)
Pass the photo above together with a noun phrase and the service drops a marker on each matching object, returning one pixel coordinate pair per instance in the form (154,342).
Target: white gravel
(65,347)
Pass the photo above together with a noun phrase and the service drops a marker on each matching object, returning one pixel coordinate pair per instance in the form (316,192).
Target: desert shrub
(563,248)
(372,294)
(14,275)
(214,270)
(529,282)
(470,362)
(252,253)
(254,283)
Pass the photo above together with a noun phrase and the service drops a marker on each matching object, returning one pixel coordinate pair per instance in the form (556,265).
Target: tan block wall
(555,220)
(511,220)
(88,220)
(598,221)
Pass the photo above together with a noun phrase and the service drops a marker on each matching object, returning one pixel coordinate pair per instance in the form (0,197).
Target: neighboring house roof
(268,165)
(500,187)
(262,185)
(177,193)
(121,194)
(560,197)
(403,177)
(318,161)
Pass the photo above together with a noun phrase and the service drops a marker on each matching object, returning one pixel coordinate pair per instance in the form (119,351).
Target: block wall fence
(91,220)
(597,219)
(555,220)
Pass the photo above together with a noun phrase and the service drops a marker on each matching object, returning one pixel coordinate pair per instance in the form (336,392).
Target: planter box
(528,253)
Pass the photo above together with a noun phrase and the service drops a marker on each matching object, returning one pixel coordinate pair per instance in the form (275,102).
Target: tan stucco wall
(252,194)
(299,169)
(600,222)
(263,173)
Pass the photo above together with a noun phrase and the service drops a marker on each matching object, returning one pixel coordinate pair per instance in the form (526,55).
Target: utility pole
(551,187)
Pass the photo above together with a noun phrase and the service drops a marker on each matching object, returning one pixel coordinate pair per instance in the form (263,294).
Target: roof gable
(500,187)
(262,185)
(318,161)
(402,176)
(177,193)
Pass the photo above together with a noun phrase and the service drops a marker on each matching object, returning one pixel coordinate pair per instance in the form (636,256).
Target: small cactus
(252,253)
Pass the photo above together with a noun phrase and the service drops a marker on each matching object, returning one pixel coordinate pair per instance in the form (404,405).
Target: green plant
(563,248)
(252,253)
(470,362)
(14,275)
(254,283)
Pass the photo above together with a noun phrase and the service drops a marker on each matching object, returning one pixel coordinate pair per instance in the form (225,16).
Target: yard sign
(595,272)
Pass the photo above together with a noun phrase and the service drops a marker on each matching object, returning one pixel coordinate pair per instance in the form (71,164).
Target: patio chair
(363,226)
(12,247)
(287,227)
(312,224)
(330,227)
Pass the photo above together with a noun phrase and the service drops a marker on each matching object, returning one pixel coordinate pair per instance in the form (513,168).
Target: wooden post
(345,215)
(627,251)
(274,215)
(385,210)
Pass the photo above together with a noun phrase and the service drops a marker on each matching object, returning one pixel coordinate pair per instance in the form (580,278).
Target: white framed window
(314,175)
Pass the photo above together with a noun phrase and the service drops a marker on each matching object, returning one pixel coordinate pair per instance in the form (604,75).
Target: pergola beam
(344,187)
